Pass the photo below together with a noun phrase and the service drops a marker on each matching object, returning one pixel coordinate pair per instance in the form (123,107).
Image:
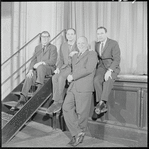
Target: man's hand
(70,78)
(57,71)
(39,63)
(108,74)
(72,53)
(30,74)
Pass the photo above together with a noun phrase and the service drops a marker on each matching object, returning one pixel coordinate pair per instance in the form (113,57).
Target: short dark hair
(71,29)
(45,32)
(101,27)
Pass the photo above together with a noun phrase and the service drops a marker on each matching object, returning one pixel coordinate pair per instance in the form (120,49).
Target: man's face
(45,38)
(101,35)
(70,35)
(82,44)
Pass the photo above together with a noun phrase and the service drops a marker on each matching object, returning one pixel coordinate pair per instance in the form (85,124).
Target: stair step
(26,112)
(6,116)
(19,93)
(11,104)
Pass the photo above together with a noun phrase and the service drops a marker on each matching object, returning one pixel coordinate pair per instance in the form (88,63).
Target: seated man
(108,68)
(42,64)
(67,50)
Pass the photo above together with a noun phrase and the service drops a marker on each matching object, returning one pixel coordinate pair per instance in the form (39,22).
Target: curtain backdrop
(126,23)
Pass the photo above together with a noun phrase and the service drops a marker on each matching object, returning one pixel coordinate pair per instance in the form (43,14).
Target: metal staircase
(24,113)
(13,121)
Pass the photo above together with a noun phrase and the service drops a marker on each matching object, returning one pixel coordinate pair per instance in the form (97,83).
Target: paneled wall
(126,120)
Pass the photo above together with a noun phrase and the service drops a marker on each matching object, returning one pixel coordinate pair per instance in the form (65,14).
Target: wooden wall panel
(123,107)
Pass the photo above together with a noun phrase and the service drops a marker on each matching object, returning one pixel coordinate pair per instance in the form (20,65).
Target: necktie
(44,47)
(101,49)
(79,54)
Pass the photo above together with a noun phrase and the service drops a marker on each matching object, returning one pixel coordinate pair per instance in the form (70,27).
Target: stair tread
(16,92)
(44,110)
(6,116)
(10,103)
(19,93)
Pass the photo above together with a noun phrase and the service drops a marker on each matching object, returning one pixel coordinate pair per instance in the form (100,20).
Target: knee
(66,107)
(98,80)
(40,69)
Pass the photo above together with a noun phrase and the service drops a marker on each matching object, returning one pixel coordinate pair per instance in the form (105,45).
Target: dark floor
(38,135)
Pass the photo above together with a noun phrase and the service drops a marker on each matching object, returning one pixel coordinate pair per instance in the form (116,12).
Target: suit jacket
(110,57)
(83,72)
(49,56)
(64,59)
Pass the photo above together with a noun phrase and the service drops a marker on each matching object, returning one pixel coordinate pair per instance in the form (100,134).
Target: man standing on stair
(77,103)
(42,64)
(67,50)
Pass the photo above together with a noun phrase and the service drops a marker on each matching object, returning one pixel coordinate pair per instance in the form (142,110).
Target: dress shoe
(72,141)
(79,139)
(21,102)
(94,116)
(101,109)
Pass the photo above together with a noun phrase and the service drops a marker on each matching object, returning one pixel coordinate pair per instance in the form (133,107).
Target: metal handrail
(32,57)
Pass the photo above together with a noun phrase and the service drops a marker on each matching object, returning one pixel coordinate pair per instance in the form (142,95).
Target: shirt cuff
(43,63)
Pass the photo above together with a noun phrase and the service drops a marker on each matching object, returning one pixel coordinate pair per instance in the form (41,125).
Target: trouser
(38,77)
(102,87)
(76,109)
(59,81)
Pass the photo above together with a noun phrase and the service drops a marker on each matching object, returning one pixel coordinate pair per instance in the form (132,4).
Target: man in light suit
(42,64)
(108,68)
(67,50)
(76,106)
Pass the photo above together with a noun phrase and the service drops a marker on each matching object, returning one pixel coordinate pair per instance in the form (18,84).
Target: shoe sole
(79,141)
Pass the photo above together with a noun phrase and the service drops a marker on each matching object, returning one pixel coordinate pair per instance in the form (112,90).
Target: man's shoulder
(39,46)
(93,53)
(112,41)
(51,46)
(64,44)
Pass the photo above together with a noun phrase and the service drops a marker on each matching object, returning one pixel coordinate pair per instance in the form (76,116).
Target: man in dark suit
(42,64)
(107,70)
(67,50)
(76,106)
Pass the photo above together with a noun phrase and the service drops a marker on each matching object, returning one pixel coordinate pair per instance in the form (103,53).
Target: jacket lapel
(81,56)
(73,47)
(46,49)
